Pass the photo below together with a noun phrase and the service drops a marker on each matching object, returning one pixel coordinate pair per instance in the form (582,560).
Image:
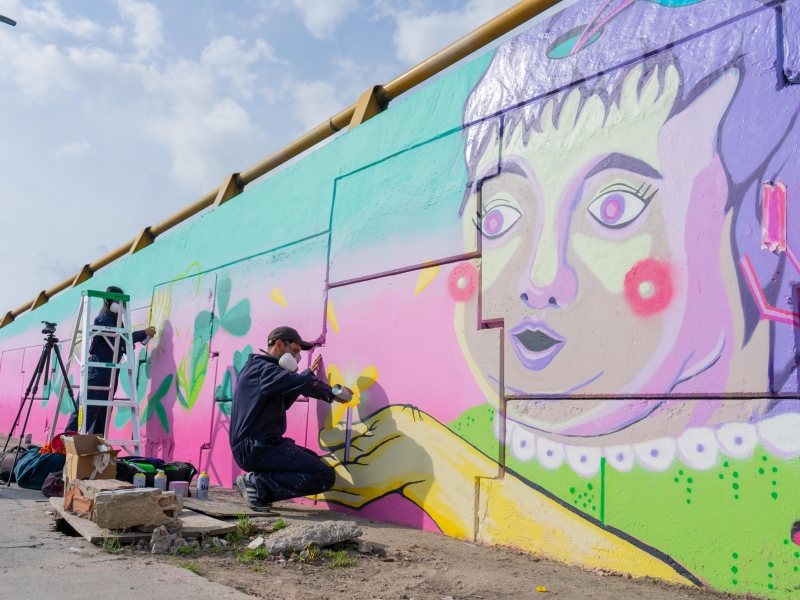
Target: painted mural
(562,283)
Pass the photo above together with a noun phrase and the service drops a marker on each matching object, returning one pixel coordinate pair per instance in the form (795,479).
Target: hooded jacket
(264,392)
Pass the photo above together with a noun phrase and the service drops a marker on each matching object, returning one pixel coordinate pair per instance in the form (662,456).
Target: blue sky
(116,113)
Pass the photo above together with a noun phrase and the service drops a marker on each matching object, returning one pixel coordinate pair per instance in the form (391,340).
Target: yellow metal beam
(230,188)
(143,240)
(39,300)
(83,275)
(371,103)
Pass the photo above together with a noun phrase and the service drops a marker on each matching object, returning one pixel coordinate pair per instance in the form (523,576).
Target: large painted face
(603,243)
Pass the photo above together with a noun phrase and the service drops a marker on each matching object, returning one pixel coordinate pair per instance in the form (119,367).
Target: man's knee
(328,478)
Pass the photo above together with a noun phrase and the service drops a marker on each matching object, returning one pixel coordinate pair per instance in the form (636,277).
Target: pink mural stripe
(773,217)
(588,33)
(764,308)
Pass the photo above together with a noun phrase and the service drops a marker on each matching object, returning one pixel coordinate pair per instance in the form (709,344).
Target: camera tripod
(42,367)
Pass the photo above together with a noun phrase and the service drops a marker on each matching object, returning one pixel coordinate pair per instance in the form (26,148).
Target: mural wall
(563,282)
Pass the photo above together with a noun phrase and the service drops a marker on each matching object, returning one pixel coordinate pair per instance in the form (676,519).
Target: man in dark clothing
(266,388)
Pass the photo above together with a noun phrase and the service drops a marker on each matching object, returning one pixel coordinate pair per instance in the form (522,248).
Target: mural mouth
(535,344)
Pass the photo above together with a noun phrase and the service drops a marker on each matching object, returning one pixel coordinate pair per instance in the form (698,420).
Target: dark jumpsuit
(101,351)
(264,392)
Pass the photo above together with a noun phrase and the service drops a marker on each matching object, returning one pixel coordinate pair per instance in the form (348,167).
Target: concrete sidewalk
(36,561)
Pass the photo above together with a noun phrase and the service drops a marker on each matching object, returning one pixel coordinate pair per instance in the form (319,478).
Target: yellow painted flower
(367,377)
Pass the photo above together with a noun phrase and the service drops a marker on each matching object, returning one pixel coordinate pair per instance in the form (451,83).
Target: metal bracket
(8,319)
(83,275)
(229,189)
(369,104)
(39,300)
(144,239)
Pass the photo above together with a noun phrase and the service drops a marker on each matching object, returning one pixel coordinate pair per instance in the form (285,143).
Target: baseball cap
(287,334)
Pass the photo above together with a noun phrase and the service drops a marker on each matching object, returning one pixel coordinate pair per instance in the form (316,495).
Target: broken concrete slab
(194,525)
(90,488)
(298,536)
(222,509)
(137,507)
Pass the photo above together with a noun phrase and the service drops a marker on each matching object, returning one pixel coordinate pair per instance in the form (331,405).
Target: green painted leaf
(223,295)
(224,391)
(180,395)
(237,322)
(162,416)
(239,358)
(225,408)
(155,399)
(123,415)
(206,325)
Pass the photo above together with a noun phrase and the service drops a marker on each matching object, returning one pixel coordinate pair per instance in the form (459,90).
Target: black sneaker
(248,492)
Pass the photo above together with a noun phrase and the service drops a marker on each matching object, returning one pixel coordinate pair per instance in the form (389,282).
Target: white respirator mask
(288,362)
(114,307)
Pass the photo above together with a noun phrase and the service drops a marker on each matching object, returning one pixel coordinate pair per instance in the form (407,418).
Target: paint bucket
(342,393)
(180,487)
(202,486)
(161,481)
(139,480)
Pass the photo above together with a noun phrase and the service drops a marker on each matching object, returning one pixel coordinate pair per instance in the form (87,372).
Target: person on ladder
(101,350)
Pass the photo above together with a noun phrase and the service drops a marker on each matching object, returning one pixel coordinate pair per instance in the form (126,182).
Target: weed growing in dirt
(111,544)
(280,524)
(249,556)
(190,566)
(339,559)
(234,537)
(185,550)
(246,526)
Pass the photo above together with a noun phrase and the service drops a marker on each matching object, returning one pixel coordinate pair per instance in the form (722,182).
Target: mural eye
(616,209)
(498,220)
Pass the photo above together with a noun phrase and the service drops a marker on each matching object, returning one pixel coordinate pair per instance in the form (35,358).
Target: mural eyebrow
(512,168)
(626,163)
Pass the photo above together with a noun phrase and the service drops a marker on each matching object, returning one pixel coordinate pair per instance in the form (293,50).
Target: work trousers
(283,470)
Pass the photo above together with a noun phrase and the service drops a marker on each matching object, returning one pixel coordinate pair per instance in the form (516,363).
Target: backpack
(7,461)
(33,468)
(54,485)
(174,471)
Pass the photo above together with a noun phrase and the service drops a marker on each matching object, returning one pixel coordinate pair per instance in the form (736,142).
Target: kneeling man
(265,389)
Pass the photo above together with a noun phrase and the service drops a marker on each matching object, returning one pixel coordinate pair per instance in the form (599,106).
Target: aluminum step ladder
(83,332)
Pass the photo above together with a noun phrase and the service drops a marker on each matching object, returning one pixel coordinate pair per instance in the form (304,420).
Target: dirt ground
(419,565)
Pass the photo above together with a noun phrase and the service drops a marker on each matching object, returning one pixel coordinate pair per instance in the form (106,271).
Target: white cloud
(147,26)
(48,18)
(315,102)
(322,17)
(75,149)
(420,34)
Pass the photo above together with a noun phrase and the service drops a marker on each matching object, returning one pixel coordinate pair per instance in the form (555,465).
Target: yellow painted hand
(403,450)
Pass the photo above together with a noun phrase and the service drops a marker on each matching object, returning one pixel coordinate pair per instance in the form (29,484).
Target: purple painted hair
(594,44)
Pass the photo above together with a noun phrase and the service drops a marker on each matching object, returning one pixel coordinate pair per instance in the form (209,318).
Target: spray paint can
(202,486)
(139,480)
(342,393)
(161,481)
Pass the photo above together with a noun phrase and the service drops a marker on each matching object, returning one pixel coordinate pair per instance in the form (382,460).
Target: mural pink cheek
(648,287)
(463,282)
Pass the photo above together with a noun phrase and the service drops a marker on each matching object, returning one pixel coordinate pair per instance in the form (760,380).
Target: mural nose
(558,294)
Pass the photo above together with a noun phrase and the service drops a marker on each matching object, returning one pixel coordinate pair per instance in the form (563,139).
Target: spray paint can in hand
(342,393)
(202,486)
(139,480)
(161,481)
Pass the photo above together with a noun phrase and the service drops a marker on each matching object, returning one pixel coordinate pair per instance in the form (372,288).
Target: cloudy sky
(123,111)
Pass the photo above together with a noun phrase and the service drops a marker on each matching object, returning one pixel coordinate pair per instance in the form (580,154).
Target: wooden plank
(194,525)
(222,509)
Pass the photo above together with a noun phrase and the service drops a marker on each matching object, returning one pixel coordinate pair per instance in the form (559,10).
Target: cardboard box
(84,461)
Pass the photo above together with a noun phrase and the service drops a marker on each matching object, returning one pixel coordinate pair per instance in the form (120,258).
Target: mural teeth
(549,453)
(510,426)
(584,460)
(523,443)
(779,434)
(656,455)
(698,448)
(620,457)
(737,439)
